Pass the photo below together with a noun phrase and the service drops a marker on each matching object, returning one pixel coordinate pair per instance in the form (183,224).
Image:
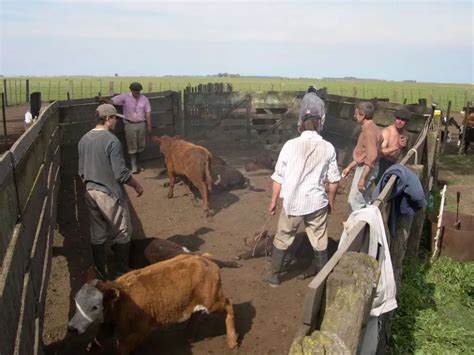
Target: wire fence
(18,89)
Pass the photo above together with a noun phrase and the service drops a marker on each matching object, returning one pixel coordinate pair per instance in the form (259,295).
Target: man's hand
(138,189)
(361,185)
(148,128)
(272,208)
(403,141)
(345,173)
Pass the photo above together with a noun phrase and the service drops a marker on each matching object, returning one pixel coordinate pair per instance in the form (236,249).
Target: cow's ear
(156,139)
(176,137)
(112,295)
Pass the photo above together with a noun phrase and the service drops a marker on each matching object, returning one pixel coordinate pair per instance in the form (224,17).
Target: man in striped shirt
(303,166)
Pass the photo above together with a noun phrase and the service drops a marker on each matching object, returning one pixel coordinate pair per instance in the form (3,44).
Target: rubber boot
(278,257)
(320,259)
(98,254)
(133,163)
(122,256)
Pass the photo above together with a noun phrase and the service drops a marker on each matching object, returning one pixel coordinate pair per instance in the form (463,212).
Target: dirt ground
(266,318)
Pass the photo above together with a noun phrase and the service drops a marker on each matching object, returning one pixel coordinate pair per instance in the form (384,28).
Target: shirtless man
(395,139)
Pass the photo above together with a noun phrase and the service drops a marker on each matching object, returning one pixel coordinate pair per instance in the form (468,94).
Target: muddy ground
(266,318)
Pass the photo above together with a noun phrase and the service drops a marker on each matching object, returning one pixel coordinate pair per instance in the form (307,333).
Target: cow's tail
(207,172)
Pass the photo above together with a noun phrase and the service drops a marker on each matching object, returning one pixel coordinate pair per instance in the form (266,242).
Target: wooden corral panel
(8,203)
(77,117)
(25,337)
(17,259)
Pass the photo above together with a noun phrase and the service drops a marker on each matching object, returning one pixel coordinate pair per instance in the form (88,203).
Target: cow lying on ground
(225,177)
(189,161)
(158,295)
(263,161)
(144,252)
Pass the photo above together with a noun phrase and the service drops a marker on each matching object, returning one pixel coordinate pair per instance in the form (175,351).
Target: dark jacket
(407,195)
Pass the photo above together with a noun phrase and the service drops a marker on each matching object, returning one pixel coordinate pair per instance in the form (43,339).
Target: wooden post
(5,91)
(443,145)
(27,90)
(463,139)
(4,119)
(414,236)
(249,111)
(398,250)
(150,87)
(111,88)
(349,296)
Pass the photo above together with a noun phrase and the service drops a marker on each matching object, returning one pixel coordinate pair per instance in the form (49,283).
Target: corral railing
(29,182)
(404,243)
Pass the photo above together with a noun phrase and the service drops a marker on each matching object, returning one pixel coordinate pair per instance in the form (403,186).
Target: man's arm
(134,183)
(332,190)
(348,168)
(121,173)
(276,188)
(148,121)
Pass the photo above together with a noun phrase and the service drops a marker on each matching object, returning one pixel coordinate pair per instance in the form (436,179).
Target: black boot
(320,259)
(122,255)
(98,254)
(278,256)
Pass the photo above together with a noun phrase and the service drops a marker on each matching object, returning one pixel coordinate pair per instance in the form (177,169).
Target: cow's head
(89,307)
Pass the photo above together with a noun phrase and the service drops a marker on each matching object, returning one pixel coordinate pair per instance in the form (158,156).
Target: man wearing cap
(103,170)
(395,139)
(303,165)
(365,157)
(137,121)
(314,104)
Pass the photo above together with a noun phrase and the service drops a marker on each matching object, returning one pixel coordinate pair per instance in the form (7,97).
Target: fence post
(4,120)
(464,123)
(5,91)
(445,137)
(150,87)
(27,89)
(111,88)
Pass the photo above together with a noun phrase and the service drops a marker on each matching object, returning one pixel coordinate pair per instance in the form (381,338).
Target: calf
(161,294)
(189,161)
(144,252)
(262,161)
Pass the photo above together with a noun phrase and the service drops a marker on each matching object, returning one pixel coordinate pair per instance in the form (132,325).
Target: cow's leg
(127,344)
(205,196)
(230,325)
(172,180)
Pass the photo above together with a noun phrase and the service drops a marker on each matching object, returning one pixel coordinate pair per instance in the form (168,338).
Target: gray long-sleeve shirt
(101,163)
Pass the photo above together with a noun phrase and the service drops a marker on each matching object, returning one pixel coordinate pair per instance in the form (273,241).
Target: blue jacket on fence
(407,195)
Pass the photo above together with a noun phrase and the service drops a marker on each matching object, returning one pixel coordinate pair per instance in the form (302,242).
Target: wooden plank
(72,132)
(312,302)
(25,337)
(10,293)
(17,256)
(8,204)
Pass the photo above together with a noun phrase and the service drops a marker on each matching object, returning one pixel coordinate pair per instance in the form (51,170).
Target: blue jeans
(357,199)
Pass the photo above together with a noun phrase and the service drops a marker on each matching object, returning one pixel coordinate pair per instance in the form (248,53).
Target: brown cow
(188,160)
(158,295)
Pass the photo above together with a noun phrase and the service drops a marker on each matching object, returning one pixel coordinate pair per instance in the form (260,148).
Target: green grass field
(53,88)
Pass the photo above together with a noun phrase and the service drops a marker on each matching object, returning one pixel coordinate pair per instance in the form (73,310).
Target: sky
(430,41)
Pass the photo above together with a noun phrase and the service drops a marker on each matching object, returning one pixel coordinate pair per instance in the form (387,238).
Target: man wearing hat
(311,101)
(303,165)
(395,139)
(103,170)
(137,121)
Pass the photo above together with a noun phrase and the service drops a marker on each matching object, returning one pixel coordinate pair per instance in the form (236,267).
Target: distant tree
(116,74)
